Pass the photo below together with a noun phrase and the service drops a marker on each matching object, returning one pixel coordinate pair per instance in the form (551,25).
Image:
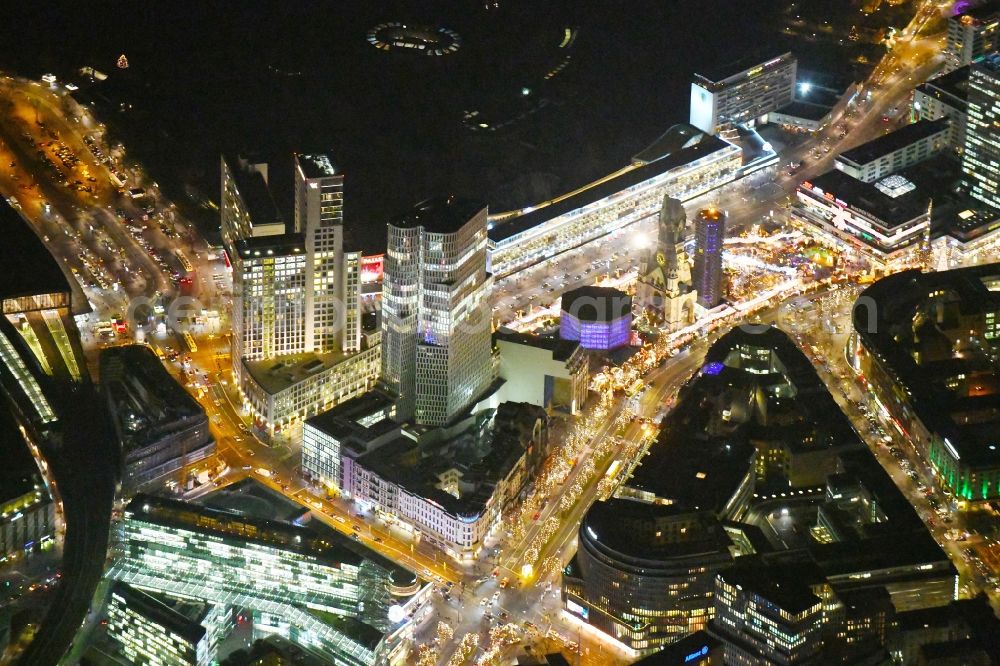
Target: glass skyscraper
(437,354)
(981,159)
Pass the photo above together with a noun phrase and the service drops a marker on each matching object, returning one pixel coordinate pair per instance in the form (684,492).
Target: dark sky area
(272,77)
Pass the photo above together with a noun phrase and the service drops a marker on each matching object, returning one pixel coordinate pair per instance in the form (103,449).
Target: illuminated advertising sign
(698,654)
(371,268)
(574,607)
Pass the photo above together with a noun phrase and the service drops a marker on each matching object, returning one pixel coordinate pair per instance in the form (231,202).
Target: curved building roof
(440,215)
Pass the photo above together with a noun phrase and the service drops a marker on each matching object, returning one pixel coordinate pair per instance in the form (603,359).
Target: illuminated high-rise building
(981,159)
(333,279)
(972,34)
(437,355)
(269,267)
(710,232)
(297,345)
(741,92)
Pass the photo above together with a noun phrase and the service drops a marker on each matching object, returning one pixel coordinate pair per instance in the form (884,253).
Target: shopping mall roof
(865,197)
(29,269)
(440,215)
(591,194)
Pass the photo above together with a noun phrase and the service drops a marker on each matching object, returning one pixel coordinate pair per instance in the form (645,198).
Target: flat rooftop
(962,417)
(275,375)
(250,497)
(29,269)
(255,193)
(234,526)
(739,68)
(317,165)
(482,458)
(627,530)
(806,110)
(265,246)
(870,200)
(893,141)
(591,194)
(950,88)
(561,349)
(783,587)
(440,215)
(145,402)
(596,304)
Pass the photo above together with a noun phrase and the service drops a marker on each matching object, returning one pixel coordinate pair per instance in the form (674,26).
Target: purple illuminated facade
(598,318)
(709,234)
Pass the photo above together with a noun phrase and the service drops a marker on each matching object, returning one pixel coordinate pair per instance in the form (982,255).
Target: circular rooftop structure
(427,40)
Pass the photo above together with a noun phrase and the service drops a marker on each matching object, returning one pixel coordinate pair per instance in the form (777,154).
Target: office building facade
(767,618)
(334,275)
(27,513)
(946,97)
(892,152)
(885,222)
(160,428)
(450,488)
(981,159)
(546,372)
(740,97)
(297,291)
(166,631)
(269,267)
(437,356)
(707,277)
(922,342)
(280,392)
(270,567)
